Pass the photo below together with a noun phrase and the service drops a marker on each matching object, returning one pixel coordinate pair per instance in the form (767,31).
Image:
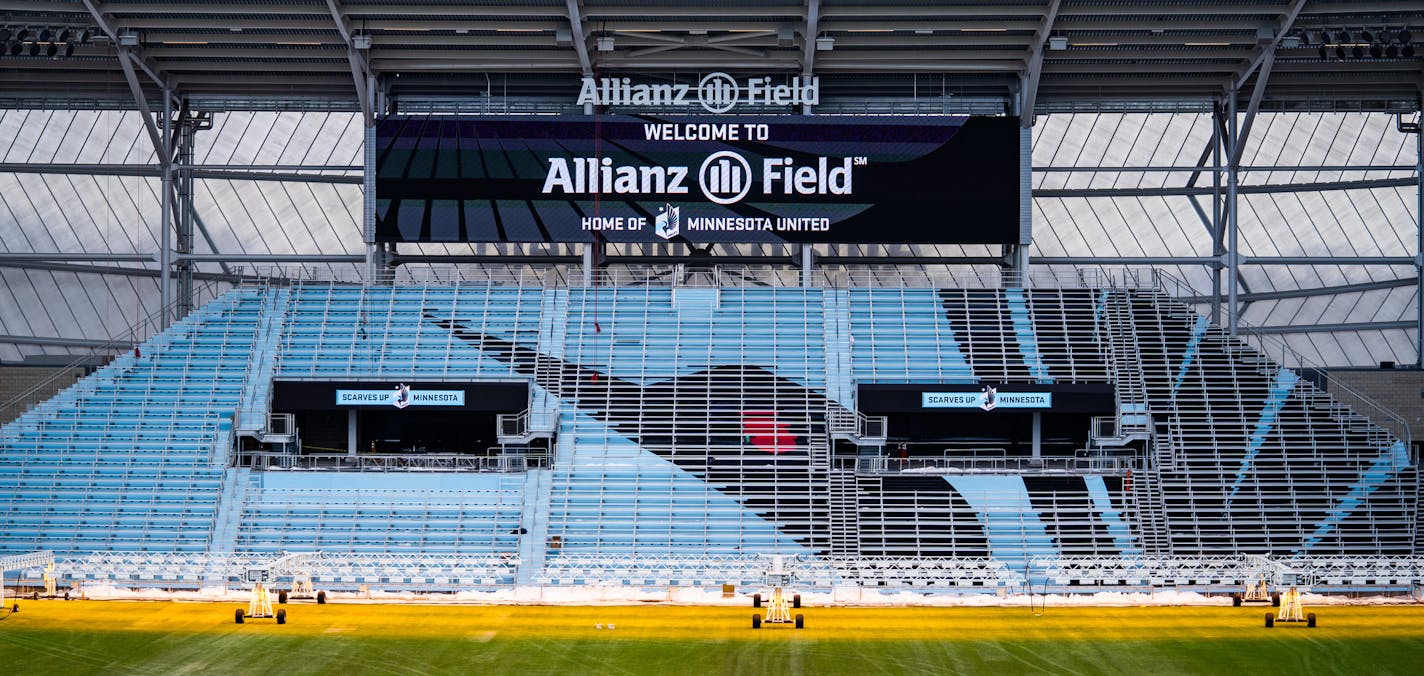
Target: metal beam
(55,341)
(1238,140)
(272,258)
(1322,186)
(1314,292)
(81,256)
(208,237)
(359,71)
(809,35)
(1198,168)
(1331,328)
(1035,64)
(1381,261)
(141,101)
(106,24)
(114,271)
(1264,52)
(579,39)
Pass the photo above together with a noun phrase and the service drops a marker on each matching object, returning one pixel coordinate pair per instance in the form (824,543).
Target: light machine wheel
(237,616)
(756,621)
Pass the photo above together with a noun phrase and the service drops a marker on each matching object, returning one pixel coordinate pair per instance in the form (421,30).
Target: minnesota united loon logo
(668,223)
(989,398)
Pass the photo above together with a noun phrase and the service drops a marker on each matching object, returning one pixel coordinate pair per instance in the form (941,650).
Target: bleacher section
(351,514)
(131,458)
(1252,458)
(692,429)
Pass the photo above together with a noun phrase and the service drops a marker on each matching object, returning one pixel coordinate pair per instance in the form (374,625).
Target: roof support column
(368,203)
(1233,251)
(1419,218)
(187,130)
(359,71)
(580,41)
(165,237)
(1034,65)
(1217,249)
(808,46)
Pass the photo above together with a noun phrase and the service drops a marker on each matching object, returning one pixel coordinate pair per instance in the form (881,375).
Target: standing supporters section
(944,438)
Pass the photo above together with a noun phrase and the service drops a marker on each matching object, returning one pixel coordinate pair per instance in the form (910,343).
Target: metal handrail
(1397,425)
(126,338)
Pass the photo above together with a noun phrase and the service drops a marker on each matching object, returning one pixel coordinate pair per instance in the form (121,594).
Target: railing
(560,276)
(369,462)
(1271,345)
(997,465)
(128,337)
(842,421)
(521,427)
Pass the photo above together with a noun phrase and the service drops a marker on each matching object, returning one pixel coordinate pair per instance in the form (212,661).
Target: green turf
(151,638)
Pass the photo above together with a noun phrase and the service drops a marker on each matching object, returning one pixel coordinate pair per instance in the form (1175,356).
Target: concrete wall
(17,380)
(1400,391)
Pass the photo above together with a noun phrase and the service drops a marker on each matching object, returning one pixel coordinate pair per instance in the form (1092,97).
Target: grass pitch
(114,637)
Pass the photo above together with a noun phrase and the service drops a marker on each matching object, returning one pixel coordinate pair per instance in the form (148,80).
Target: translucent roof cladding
(120,214)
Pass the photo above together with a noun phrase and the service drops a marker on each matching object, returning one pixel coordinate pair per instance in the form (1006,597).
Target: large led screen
(911,180)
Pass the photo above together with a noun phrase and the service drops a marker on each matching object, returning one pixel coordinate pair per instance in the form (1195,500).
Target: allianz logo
(716,93)
(724,177)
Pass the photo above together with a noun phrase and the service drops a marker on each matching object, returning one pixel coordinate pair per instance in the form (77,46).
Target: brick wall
(17,380)
(1396,390)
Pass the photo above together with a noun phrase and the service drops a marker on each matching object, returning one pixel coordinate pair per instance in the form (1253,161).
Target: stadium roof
(1068,54)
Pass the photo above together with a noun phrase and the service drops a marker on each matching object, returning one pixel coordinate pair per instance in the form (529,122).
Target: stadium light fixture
(64,35)
(1407,51)
(1376,51)
(45,34)
(1404,36)
(68,49)
(52,49)
(34,49)
(1392,51)
(1324,54)
(1340,51)
(5,34)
